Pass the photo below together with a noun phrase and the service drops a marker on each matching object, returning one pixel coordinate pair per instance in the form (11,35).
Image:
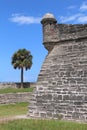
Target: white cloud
(82,19)
(70,18)
(21,19)
(79,17)
(83,7)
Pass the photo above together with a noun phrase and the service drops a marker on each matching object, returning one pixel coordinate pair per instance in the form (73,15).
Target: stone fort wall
(15,97)
(15,85)
(61,89)
(11,98)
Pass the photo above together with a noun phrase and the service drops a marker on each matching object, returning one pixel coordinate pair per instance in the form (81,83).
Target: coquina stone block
(61,89)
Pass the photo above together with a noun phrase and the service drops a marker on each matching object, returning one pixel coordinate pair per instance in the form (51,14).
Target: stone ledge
(11,98)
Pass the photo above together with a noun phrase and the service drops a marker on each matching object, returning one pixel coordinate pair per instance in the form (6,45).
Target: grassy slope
(13,109)
(15,90)
(42,125)
(22,108)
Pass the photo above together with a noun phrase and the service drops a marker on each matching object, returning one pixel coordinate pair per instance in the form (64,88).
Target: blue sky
(20,27)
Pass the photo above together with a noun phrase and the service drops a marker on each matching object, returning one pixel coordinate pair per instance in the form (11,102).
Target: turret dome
(48,17)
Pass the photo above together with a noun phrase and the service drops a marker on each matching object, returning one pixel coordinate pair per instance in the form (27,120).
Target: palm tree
(22,59)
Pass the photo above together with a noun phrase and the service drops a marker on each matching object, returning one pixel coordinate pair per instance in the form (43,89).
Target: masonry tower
(61,89)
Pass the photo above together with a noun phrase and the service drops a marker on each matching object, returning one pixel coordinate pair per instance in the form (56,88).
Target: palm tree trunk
(21,77)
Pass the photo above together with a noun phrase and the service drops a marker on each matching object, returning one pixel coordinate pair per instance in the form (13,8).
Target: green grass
(32,124)
(29,124)
(13,109)
(15,90)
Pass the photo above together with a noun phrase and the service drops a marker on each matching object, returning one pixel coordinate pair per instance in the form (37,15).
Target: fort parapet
(61,89)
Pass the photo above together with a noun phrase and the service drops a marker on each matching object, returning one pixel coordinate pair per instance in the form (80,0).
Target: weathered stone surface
(15,97)
(62,83)
(15,85)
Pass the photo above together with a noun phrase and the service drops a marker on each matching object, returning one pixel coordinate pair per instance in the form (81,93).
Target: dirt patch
(11,118)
